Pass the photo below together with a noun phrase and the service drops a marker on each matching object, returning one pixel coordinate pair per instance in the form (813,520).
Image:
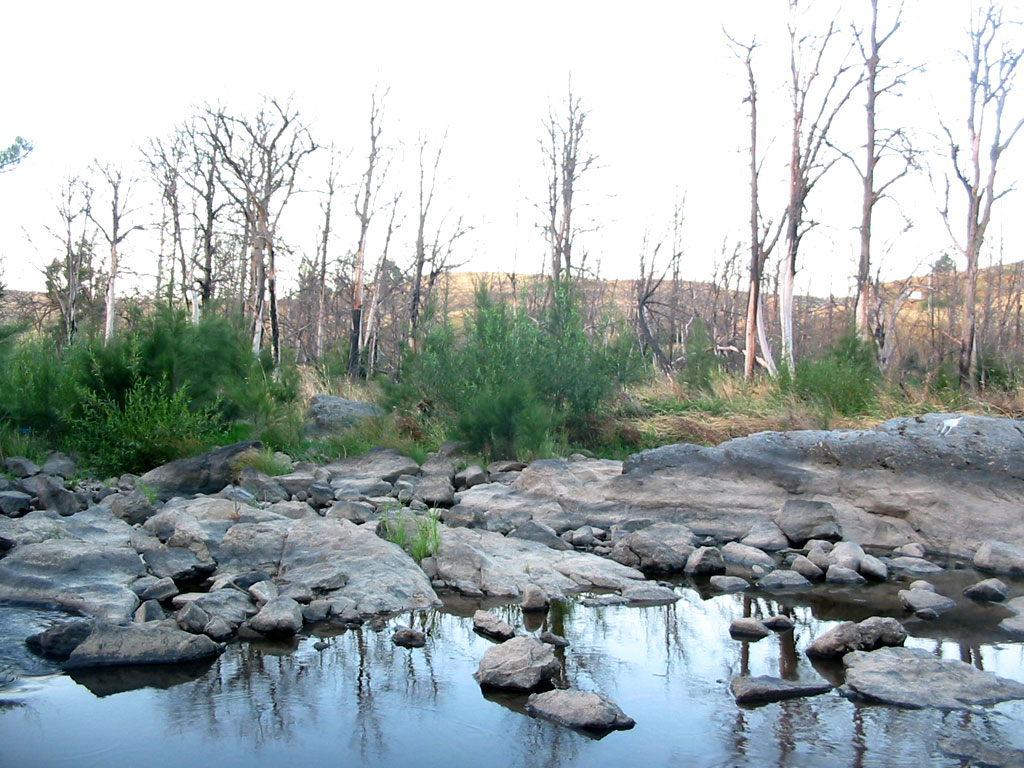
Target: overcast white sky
(96,80)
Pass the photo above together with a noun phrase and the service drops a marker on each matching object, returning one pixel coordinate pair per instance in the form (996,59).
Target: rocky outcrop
(207,473)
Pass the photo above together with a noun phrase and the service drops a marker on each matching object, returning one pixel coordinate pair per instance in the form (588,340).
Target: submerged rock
(522,663)
(916,679)
(579,709)
(764,688)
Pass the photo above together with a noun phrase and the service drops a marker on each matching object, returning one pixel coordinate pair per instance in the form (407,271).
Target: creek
(360,700)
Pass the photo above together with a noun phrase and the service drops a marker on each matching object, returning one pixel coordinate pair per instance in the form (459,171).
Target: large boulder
(995,556)
(206,473)
(914,678)
(113,645)
(579,709)
(805,519)
(522,663)
(385,464)
(329,414)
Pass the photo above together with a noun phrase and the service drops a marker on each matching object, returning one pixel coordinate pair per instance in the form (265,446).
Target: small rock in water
(489,625)
(552,639)
(783,580)
(579,709)
(408,638)
(914,565)
(924,603)
(778,623)
(991,590)
(535,598)
(808,569)
(728,583)
(280,616)
(997,556)
(764,688)
(748,629)
(649,594)
(873,569)
(845,637)
(320,645)
(922,584)
(838,574)
(705,561)
(910,550)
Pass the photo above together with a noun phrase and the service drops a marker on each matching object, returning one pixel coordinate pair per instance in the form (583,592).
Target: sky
(663,91)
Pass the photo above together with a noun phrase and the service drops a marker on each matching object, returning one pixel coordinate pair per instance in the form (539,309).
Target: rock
(321,495)
(484,563)
(764,688)
(206,473)
(20,467)
(847,554)
(996,556)
(192,618)
(178,564)
(913,549)
(219,630)
(328,414)
(263,592)
(552,639)
(873,569)
(316,611)
(914,565)
(470,476)
(819,559)
(294,510)
(57,642)
(385,464)
(280,616)
(77,575)
(579,709)
(490,625)
(435,491)
(51,494)
(766,535)
(160,589)
(498,467)
(991,590)
(650,553)
(728,583)
(262,486)
(295,482)
(134,508)
(114,645)
(355,511)
(806,568)
(522,663)
(804,519)
(981,753)
(647,593)
(837,574)
(778,623)
(253,546)
(150,610)
(531,530)
(922,584)
(923,600)
(230,605)
(15,503)
(59,464)
(782,579)
(408,638)
(916,679)
(734,552)
(747,628)
(581,538)
(705,561)
(534,598)
(848,636)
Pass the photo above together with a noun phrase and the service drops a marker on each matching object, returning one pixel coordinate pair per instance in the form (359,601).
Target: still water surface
(364,701)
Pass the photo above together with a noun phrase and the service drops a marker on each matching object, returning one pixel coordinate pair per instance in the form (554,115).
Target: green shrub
(844,377)
(701,362)
(505,420)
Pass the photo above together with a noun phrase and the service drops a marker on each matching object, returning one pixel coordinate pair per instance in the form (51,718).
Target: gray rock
(59,464)
(178,564)
(646,551)
(316,611)
(161,589)
(847,554)
(380,464)
(229,605)
(981,753)
(295,482)
(531,530)
(361,489)
(778,623)
(439,466)
(60,640)
(435,491)
(470,476)
(996,556)
(914,549)
(705,561)
(328,414)
(490,625)
(51,494)
(922,584)
(837,574)
(408,638)
(579,709)
(914,565)
(263,592)
(783,579)
(766,535)
(916,679)
(19,466)
(991,590)
(804,519)
(806,568)
(115,645)
(150,610)
(747,628)
(262,486)
(819,559)
(219,630)
(191,618)
(734,552)
(207,473)
(873,569)
(552,639)
(247,546)
(356,511)
(321,495)
(764,689)
(134,508)
(15,503)
(848,636)
(923,600)
(728,583)
(498,467)
(293,510)
(522,663)
(280,616)
(534,599)
(646,593)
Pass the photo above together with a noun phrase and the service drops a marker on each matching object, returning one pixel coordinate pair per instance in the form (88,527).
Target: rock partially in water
(407,637)
(837,574)
(114,645)
(873,569)
(925,603)
(728,583)
(535,599)
(806,568)
(490,625)
(579,709)
(748,628)
(848,636)
(915,566)
(705,561)
(522,663)
(916,679)
(783,580)
(280,616)
(648,593)
(764,688)
(996,556)
(741,554)
(989,590)
(60,640)
(981,753)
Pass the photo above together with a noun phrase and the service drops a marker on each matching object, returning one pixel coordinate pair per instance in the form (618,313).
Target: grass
(265,461)
(420,540)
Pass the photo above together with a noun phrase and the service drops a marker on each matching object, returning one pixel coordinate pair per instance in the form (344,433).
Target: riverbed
(353,698)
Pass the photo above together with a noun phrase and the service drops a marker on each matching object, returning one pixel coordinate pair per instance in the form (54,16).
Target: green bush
(701,363)
(843,378)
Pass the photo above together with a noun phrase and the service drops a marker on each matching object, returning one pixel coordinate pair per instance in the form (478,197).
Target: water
(364,701)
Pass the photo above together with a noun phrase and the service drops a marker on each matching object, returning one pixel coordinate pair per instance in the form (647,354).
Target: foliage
(14,154)
(419,536)
(844,377)
(265,461)
(701,362)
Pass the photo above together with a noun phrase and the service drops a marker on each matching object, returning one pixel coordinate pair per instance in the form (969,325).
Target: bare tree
(892,144)
(323,245)
(164,160)
(567,162)
(816,99)
(120,189)
(364,209)
(263,155)
(203,178)
(66,278)
(426,198)
(645,288)
(991,59)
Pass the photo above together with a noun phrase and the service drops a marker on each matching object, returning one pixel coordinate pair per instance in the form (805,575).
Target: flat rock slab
(915,679)
(764,688)
(381,463)
(579,709)
(481,562)
(113,645)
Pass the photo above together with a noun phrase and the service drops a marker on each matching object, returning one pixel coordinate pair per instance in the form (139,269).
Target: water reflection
(361,699)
